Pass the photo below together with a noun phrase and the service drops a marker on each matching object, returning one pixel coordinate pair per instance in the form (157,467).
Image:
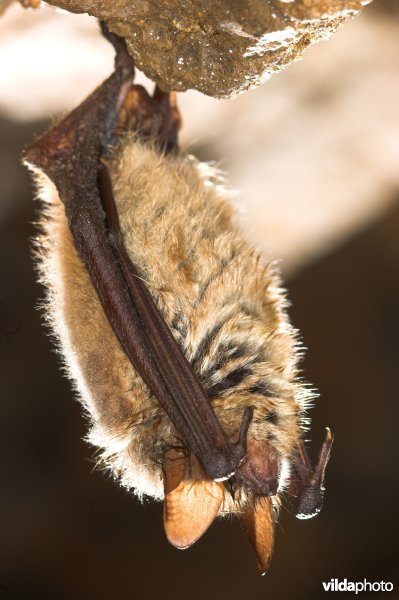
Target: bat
(172,327)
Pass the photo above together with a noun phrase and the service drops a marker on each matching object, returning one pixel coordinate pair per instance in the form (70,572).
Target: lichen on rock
(220,47)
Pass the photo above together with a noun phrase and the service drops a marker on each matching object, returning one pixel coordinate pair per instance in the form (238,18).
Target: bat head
(245,359)
(261,470)
(193,501)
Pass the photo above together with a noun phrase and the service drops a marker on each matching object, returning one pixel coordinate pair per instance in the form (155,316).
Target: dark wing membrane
(70,155)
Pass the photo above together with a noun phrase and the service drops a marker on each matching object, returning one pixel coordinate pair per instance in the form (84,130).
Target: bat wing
(73,155)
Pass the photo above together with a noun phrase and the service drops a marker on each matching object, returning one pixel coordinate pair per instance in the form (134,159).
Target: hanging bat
(172,327)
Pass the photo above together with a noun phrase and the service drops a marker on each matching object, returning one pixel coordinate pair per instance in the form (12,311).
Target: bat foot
(123,60)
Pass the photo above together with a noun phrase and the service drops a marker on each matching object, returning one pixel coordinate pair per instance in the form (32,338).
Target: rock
(221,48)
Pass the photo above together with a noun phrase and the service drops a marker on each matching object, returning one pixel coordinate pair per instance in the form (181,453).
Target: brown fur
(223,303)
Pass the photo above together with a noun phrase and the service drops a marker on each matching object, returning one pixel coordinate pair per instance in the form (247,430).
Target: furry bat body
(222,303)
(225,309)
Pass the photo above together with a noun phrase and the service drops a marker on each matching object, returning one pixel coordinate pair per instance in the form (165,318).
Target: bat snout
(260,469)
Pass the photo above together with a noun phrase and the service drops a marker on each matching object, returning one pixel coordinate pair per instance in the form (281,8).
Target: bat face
(175,277)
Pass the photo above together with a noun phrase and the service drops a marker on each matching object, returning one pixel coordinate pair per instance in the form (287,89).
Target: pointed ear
(258,524)
(192,500)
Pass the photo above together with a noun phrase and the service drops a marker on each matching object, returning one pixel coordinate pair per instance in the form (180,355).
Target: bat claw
(122,56)
(245,423)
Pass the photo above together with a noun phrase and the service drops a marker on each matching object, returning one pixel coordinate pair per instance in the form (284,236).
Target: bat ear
(258,524)
(192,500)
(308,489)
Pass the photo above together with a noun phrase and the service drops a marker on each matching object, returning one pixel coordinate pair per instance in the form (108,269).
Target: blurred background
(314,154)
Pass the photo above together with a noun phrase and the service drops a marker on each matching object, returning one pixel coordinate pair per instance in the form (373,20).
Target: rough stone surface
(219,47)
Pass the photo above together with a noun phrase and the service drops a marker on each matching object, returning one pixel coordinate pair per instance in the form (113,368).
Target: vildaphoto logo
(343,585)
